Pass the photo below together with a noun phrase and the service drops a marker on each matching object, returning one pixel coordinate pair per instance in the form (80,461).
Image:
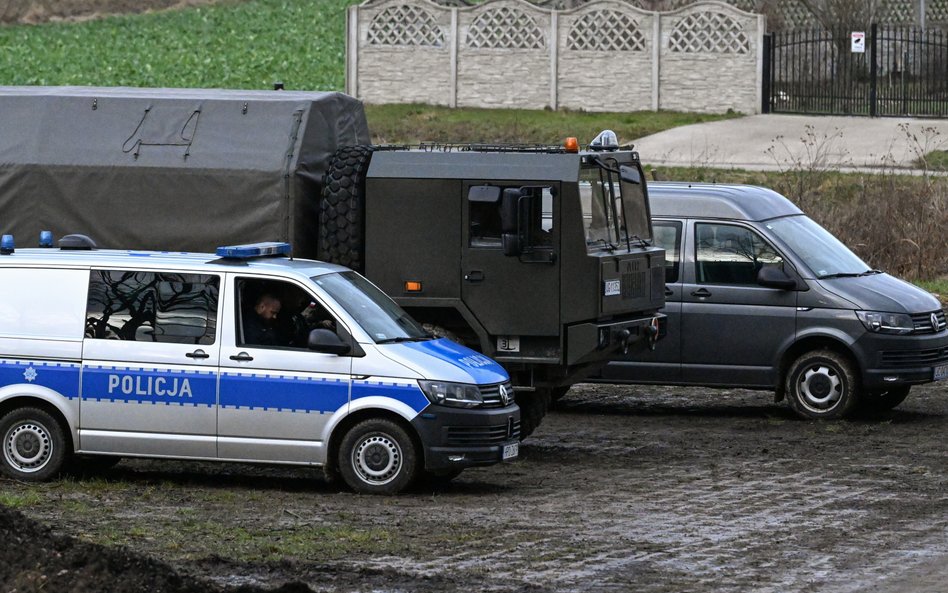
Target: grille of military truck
(634,280)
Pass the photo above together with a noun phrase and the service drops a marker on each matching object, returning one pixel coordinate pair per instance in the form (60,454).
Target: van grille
(923,322)
(458,436)
(492,397)
(913,358)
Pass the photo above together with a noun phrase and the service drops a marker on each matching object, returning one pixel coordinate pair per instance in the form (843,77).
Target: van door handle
(701,293)
(668,292)
(474,276)
(242,357)
(198,354)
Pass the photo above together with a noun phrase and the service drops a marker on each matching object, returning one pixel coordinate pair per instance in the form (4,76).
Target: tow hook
(652,333)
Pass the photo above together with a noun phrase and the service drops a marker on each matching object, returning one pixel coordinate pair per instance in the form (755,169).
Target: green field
(229,45)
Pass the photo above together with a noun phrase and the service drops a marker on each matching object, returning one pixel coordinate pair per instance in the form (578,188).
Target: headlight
(886,323)
(458,395)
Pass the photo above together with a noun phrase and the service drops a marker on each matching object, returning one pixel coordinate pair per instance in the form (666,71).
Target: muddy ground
(621,489)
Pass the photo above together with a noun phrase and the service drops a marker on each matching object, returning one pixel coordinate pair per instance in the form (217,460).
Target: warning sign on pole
(859,42)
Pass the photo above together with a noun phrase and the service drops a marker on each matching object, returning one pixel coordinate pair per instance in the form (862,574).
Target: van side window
(145,306)
(728,254)
(668,237)
(274,314)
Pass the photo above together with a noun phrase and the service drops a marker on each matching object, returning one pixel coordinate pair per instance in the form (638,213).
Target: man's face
(268,309)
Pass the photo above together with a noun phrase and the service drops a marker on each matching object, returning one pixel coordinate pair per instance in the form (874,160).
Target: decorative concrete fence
(604,56)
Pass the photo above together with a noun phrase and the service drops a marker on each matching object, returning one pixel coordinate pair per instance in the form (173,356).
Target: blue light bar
(46,238)
(252,250)
(6,245)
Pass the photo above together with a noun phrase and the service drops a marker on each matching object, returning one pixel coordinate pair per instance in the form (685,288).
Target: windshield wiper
(840,275)
(401,339)
(871,272)
(641,242)
(607,244)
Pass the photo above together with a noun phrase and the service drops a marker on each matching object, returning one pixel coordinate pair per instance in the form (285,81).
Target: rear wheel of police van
(377,456)
(342,208)
(34,444)
(822,384)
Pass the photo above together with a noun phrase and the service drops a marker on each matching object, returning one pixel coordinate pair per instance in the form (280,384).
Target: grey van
(760,296)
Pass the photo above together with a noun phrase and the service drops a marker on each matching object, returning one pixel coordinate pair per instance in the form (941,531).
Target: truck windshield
(371,308)
(824,254)
(615,208)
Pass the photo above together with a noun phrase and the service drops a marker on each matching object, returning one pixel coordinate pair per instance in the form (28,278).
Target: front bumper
(601,341)
(457,438)
(889,361)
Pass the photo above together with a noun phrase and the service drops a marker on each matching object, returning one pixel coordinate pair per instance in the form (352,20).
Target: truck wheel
(533,407)
(822,384)
(342,208)
(883,401)
(377,456)
(34,445)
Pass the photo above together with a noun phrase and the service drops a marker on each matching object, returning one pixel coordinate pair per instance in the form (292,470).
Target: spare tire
(342,208)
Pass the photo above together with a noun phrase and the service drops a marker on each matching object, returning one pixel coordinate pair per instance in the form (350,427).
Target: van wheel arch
(33,402)
(808,345)
(331,468)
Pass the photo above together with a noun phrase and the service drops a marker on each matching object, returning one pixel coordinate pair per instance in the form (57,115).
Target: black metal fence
(903,71)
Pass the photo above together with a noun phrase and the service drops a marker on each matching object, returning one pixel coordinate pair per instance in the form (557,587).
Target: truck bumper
(601,341)
(456,438)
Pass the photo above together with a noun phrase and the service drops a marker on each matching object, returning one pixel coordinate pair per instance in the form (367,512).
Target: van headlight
(886,323)
(458,395)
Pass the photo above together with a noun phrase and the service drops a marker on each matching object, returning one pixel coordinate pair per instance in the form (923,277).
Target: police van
(245,355)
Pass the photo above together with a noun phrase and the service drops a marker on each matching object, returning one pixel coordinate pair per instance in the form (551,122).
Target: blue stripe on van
(410,395)
(152,386)
(61,377)
(283,393)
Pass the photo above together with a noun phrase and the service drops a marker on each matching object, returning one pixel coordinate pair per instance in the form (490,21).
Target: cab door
(149,364)
(501,289)
(276,395)
(732,328)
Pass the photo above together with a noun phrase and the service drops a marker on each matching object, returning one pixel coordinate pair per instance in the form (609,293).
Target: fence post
(453,101)
(765,81)
(554,59)
(873,70)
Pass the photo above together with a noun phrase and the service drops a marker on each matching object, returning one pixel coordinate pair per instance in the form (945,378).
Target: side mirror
(774,277)
(510,210)
(324,340)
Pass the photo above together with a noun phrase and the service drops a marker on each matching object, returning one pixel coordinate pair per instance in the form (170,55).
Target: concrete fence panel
(606,55)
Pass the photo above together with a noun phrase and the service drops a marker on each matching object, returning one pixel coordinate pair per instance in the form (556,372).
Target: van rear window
(144,306)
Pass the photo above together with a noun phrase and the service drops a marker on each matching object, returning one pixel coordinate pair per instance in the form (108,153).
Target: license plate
(941,372)
(511,451)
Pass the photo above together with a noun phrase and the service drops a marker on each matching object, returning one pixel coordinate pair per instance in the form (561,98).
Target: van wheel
(883,401)
(34,445)
(533,407)
(342,208)
(822,384)
(377,456)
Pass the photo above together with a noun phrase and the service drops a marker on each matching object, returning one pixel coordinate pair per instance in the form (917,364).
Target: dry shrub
(895,223)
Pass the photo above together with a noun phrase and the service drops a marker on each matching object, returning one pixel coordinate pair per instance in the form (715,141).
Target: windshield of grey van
(371,308)
(824,254)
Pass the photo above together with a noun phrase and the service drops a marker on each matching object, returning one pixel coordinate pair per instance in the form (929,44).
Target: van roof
(711,200)
(147,260)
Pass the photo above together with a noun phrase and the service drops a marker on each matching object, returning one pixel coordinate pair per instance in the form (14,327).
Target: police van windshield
(371,308)
(615,209)
(824,254)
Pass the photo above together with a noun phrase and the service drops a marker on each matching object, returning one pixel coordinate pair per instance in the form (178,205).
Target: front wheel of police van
(377,456)
(34,445)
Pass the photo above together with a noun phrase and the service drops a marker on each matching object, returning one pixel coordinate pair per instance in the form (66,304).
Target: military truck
(538,256)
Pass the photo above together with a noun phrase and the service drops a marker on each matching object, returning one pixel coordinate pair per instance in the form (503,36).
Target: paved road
(783,141)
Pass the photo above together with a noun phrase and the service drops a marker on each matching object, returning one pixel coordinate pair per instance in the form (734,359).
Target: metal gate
(903,71)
